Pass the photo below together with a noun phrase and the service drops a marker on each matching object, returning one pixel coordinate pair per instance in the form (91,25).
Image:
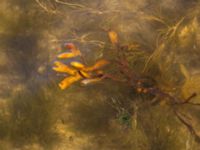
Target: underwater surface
(100,75)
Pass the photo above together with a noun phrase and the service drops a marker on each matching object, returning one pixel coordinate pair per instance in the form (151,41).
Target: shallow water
(35,114)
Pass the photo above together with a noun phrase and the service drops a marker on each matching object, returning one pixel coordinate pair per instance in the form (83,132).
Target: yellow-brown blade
(60,67)
(77,65)
(113,37)
(84,74)
(69,81)
(73,48)
(99,64)
(68,55)
(90,81)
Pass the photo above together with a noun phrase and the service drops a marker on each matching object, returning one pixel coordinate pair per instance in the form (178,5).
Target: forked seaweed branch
(140,82)
(143,84)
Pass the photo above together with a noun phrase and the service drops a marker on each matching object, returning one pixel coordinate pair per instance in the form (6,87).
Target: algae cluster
(160,39)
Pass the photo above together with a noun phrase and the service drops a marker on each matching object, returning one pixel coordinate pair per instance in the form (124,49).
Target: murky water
(159,39)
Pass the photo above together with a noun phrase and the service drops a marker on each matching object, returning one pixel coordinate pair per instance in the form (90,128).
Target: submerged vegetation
(144,82)
(137,63)
(79,70)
